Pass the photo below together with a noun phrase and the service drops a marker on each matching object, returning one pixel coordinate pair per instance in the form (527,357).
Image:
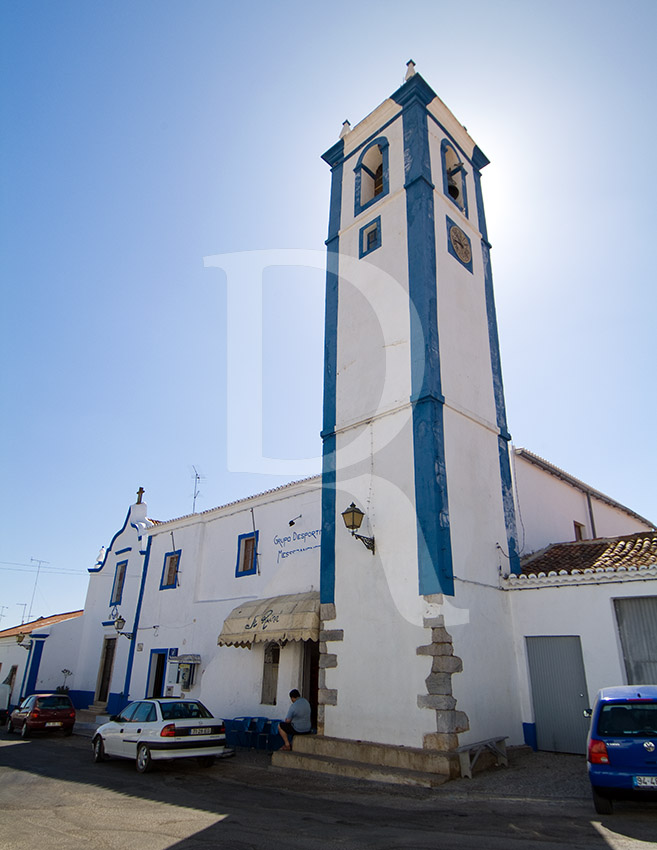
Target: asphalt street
(52,796)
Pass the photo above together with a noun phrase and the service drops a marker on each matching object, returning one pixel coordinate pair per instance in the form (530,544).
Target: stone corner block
(444,743)
(327,696)
(327,611)
(437,702)
(434,622)
(328,660)
(331,634)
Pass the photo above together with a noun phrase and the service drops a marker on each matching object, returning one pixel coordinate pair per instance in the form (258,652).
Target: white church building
(434,587)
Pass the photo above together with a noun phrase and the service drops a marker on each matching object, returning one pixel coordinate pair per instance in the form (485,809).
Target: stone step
(383,755)
(356,770)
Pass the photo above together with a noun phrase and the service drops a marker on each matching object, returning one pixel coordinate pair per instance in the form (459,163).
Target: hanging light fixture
(353,518)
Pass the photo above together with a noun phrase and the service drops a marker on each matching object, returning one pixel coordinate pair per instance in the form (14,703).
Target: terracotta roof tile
(632,551)
(41,623)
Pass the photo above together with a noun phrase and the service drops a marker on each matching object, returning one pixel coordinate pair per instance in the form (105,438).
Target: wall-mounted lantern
(20,640)
(353,518)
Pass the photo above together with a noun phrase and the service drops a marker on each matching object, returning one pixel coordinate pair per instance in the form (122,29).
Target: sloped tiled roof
(42,622)
(632,556)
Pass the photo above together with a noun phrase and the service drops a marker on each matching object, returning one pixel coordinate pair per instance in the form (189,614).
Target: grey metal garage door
(637,626)
(559,692)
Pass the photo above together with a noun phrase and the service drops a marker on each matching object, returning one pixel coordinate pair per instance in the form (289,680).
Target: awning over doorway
(278,618)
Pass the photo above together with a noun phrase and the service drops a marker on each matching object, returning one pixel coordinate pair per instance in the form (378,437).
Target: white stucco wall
(60,652)
(188,618)
(548,507)
(586,610)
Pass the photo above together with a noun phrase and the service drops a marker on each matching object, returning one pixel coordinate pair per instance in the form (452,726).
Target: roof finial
(140,493)
(411,70)
(346,128)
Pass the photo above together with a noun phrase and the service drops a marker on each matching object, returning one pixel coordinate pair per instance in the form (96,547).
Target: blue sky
(140,137)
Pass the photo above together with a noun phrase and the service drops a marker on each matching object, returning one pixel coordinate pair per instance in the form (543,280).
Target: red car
(43,713)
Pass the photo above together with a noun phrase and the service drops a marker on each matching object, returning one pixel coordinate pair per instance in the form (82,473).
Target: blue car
(622,745)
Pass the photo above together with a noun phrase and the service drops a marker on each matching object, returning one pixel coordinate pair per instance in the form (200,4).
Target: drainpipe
(590,504)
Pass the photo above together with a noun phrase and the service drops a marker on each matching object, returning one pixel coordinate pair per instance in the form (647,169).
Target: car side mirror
(587,712)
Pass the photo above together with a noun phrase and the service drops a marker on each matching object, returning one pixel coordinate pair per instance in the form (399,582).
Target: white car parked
(154,729)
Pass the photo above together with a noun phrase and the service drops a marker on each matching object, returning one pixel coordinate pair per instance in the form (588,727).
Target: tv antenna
(3,608)
(38,562)
(22,605)
(197,476)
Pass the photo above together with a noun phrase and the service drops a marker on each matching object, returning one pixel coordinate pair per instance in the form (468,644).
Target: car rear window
(628,720)
(183,710)
(54,702)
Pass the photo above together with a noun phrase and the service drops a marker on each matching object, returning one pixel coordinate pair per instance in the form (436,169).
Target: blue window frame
(247,554)
(369,237)
(119,581)
(372,175)
(454,174)
(170,570)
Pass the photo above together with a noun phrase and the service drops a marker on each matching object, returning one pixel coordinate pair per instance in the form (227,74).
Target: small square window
(247,555)
(170,571)
(369,237)
(579,530)
(119,581)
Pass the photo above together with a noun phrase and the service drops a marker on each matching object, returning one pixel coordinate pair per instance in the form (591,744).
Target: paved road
(52,797)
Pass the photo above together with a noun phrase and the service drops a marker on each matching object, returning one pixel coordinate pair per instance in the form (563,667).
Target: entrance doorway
(310,676)
(105,669)
(156,671)
(559,692)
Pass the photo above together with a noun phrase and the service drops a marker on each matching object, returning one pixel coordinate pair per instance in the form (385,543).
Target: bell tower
(415,432)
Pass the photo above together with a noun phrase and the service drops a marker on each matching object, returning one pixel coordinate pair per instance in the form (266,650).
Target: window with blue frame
(454,174)
(119,581)
(372,178)
(369,237)
(247,554)
(170,570)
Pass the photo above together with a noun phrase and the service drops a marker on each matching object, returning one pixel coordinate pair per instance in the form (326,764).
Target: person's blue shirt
(299,715)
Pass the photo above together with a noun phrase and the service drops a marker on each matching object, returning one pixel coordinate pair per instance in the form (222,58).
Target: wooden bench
(469,753)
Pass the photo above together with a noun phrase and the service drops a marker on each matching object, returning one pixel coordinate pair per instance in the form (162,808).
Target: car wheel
(144,761)
(205,761)
(603,805)
(25,730)
(10,726)
(98,749)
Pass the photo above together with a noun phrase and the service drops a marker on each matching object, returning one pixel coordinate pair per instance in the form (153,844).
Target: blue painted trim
(117,600)
(450,248)
(444,145)
(36,653)
(529,733)
(374,225)
(115,703)
(81,699)
(155,652)
(382,143)
(109,548)
(435,570)
(327,551)
(167,555)
(481,217)
(133,642)
(254,566)
(107,623)
(500,411)
(123,551)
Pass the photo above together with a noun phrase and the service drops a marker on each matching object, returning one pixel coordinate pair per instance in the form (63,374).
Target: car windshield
(628,720)
(54,702)
(183,710)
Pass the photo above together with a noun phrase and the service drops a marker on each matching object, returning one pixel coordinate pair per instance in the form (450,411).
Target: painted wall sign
(295,542)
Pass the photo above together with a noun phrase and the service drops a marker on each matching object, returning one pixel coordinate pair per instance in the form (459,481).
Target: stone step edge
(356,770)
(385,755)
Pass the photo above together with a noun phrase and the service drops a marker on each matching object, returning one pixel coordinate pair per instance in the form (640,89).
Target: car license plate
(645,781)
(199,730)
(54,724)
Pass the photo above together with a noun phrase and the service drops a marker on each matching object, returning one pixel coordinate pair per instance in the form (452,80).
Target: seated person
(297,721)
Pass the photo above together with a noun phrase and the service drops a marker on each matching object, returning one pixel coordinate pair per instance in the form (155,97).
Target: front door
(105,670)
(156,673)
(311,677)
(559,692)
